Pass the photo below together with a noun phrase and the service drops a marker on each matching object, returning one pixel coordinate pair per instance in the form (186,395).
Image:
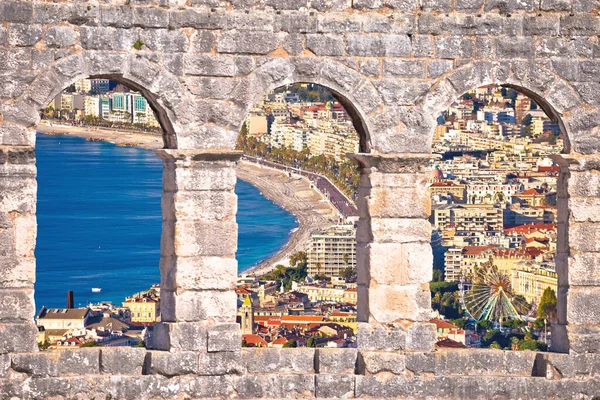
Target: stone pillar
(199,239)
(394,256)
(578,255)
(18,229)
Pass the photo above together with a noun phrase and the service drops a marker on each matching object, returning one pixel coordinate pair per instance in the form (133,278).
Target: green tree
(438,275)
(484,324)
(312,342)
(495,345)
(141,344)
(89,344)
(460,322)
(348,273)
(290,343)
(244,342)
(547,306)
(44,345)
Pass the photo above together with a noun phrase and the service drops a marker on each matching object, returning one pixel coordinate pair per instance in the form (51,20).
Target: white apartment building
(491,192)
(332,250)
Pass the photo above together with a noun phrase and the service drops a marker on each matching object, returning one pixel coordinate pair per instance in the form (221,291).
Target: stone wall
(395,65)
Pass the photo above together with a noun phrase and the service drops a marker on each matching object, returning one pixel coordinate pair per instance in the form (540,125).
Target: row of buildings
(494,192)
(314,313)
(282,119)
(94,98)
(102,324)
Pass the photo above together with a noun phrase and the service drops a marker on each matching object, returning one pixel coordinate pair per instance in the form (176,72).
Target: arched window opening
(297,245)
(99,217)
(494,221)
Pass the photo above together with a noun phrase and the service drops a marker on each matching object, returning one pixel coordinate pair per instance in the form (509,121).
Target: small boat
(96,289)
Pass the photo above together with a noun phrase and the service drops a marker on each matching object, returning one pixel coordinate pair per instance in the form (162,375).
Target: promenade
(335,196)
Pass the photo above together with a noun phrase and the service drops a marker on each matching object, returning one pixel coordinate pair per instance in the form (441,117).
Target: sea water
(99,221)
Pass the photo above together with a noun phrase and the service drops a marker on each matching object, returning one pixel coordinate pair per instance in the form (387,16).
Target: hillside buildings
(494,193)
(283,120)
(93,98)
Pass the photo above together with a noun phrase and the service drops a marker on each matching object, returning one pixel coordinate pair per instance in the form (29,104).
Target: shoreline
(142,140)
(297,197)
(294,194)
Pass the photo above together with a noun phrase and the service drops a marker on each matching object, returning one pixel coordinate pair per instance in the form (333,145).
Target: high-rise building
(100,86)
(332,250)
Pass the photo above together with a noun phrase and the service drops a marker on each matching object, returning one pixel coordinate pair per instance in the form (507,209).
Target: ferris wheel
(487,294)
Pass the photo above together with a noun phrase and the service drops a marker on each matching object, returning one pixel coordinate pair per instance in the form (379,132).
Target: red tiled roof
(254,340)
(529,228)
(530,192)
(441,324)
(280,340)
(476,250)
(449,343)
(554,168)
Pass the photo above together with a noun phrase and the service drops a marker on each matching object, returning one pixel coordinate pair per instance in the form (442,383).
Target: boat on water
(96,289)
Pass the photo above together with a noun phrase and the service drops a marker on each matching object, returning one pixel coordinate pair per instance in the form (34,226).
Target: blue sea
(99,221)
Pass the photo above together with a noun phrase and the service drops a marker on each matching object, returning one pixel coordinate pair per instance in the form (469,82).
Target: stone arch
(162,90)
(356,94)
(551,92)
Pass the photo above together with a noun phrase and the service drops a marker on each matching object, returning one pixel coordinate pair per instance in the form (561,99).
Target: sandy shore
(292,193)
(150,141)
(296,196)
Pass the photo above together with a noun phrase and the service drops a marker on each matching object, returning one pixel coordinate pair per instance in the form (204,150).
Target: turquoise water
(99,221)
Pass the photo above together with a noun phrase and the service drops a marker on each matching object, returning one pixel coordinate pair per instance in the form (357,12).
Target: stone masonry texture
(395,65)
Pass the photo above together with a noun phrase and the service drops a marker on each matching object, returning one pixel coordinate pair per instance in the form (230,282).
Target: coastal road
(329,190)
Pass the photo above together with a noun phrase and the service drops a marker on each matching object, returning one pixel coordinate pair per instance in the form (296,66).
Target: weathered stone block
(180,336)
(199,238)
(36,364)
(16,305)
(198,19)
(204,305)
(374,336)
(325,44)
(584,269)
(198,273)
(208,65)
(275,386)
(583,338)
(421,336)
(17,11)
(211,386)
(79,361)
(172,364)
(395,230)
(20,35)
(18,337)
(334,386)
(150,17)
(455,47)
(584,236)
(374,362)
(396,263)
(519,362)
(200,205)
(4,365)
(583,305)
(584,209)
(105,38)
(265,360)
(408,92)
(221,363)
(378,45)
(201,176)
(122,360)
(16,272)
(244,42)
(403,68)
(437,68)
(336,361)
(224,337)
(419,362)
(391,303)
